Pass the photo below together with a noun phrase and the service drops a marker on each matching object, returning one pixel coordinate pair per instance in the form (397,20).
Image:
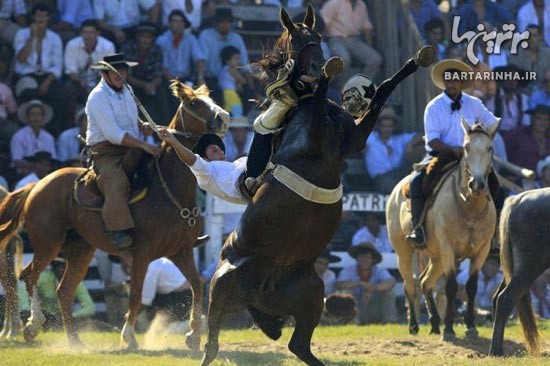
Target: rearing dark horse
(266,264)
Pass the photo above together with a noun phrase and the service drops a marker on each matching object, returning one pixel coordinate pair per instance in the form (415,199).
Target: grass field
(340,346)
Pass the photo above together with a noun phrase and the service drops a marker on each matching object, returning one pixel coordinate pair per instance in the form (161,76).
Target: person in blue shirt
(541,96)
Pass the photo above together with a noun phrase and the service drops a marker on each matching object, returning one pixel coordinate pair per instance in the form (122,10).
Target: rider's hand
(152,149)
(146,128)
(166,135)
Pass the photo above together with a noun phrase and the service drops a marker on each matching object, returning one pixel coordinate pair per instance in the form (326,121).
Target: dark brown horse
(524,233)
(266,265)
(164,223)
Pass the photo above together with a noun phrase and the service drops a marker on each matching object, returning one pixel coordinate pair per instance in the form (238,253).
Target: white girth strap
(305,189)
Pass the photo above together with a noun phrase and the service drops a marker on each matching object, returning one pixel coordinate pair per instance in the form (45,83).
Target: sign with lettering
(365,201)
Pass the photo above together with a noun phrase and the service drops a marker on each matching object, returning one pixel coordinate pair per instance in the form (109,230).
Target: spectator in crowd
(543,173)
(387,153)
(81,53)
(510,103)
(328,276)
(488,281)
(8,109)
(146,77)
(374,232)
(286,4)
(117,19)
(46,286)
(39,57)
(239,139)
(482,88)
(475,12)
(424,11)
(166,288)
(71,141)
(535,57)
(42,165)
(527,145)
(72,13)
(192,10)
(371,286)
(434,31)
(540,295)
(31,138)
(513,6)
(8,28)
(498,57)
(231,81)
(182,55)
(114,272)
(349,32)
(536,12)
(213,40)
(541,95)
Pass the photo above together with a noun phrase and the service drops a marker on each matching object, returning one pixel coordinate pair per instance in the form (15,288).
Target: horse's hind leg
(78,254)
(307,312)
(185,261)
(12,320)
(427,282)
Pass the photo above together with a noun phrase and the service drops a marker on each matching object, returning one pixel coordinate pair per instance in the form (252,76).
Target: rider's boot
(417,236)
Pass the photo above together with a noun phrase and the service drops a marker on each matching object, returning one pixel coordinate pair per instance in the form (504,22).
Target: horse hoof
(193,342)
(76,343)
(333,67)
(426,56)
(435,331)
(30,332)
(447,337)
(472,333)
(413,329)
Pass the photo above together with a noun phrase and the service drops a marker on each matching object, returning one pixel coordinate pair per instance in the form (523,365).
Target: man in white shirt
(443,130)
(373,232)
(191,8)
(39,55)
(81,53)
(11,9)
(210,166)
(115,140)
(69,144)
(166,288)
(42,164)
(324,273)
(535,12)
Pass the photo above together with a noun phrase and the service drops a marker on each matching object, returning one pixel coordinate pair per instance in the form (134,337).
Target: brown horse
(267,263)
(165,224)
(10,260)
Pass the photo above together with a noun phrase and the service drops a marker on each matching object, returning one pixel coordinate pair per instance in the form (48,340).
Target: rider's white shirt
(220,178)
(440,122)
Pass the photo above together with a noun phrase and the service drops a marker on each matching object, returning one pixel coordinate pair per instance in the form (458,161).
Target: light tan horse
(459,224)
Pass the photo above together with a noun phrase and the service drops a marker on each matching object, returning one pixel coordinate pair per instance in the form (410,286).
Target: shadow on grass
(481,346)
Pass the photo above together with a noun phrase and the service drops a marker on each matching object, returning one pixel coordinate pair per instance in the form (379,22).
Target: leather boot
(417,237)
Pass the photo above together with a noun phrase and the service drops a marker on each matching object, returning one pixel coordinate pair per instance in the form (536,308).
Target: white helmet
(357,94)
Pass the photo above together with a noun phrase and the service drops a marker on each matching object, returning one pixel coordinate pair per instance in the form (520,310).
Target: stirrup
(418,241)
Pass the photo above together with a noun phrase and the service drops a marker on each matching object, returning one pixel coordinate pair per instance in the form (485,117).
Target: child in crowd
(231,81)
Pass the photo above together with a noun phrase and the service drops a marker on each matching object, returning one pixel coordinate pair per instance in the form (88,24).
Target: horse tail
(11,213)
(526,313)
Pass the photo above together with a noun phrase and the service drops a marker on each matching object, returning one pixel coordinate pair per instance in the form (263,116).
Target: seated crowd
(42,122)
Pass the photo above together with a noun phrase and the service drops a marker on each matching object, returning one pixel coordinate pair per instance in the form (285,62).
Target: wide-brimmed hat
(450,64)
(223,14)
(116,60)
(539,108)
(541,165)
(25,83)
(205,141)
(39,156)
(515,69)
(242,122)
(147,27)
(23,108)
(365,247)
(328,256)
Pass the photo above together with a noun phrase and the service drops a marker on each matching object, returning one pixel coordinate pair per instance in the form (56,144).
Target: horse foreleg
(140,263)
(308,308)
(469,317)
(427,282)
(185,261)
(78,255)
(405,261)
(450,291)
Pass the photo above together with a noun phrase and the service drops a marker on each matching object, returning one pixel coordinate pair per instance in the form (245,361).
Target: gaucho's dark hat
(205,141)
(116,60)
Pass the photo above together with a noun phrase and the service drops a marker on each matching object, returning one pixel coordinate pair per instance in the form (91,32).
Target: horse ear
(465,125)
(309,18)
(494,127)
(285,20)
(181,90)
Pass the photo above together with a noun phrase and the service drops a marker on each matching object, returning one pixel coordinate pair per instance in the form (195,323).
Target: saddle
(87,194)
(438,168)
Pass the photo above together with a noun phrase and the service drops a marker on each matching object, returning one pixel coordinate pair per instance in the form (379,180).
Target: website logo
(493,40)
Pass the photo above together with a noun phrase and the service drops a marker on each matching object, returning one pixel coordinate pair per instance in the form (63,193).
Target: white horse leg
(128,336)
(37,318)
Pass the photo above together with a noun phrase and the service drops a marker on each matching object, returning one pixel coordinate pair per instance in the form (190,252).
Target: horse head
(197,113)
(302,43)
(478,154)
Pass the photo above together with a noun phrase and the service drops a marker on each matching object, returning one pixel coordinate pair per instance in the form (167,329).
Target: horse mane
(272,60)
(183,91)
